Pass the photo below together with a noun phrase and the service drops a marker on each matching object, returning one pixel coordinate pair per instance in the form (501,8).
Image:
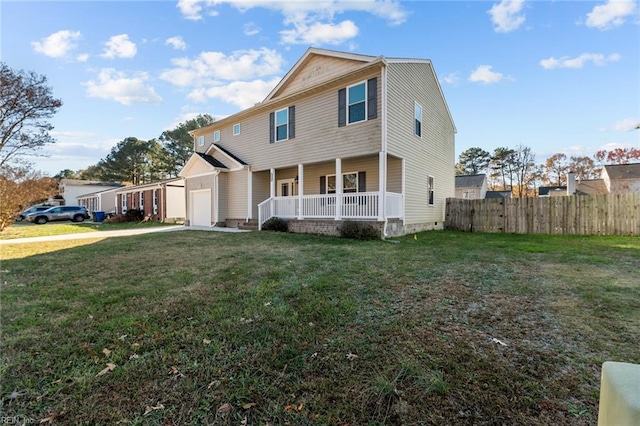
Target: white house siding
(433,154)
(176,202)
(317,135)
(237,194)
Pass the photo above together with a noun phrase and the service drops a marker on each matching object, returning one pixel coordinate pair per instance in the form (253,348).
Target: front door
(286,188)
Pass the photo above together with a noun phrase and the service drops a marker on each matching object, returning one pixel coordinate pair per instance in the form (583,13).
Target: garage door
(201,208)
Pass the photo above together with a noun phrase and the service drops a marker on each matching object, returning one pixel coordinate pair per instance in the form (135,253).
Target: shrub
(134,215)
(116,219)
(276,224)
(358,231)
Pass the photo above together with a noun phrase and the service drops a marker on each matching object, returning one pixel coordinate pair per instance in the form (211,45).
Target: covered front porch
(313,192)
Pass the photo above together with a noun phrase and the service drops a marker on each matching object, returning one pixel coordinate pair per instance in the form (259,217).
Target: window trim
(357,188)
(365,101)
(431,193)
(275,125)
(216,136)
(155,201)
(236,133)
(417,122)
(200,140)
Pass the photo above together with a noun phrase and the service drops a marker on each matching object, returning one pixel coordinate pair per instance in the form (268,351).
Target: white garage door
(201,208)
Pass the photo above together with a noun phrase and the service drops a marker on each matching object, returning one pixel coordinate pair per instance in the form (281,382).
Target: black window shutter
(342,107)
(323,184)
(362,181)
(292,122)
(372,98)
(272,118)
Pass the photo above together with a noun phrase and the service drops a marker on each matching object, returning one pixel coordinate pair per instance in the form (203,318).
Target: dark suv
(74,213)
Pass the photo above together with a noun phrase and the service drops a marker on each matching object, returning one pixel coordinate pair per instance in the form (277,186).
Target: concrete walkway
(119,233)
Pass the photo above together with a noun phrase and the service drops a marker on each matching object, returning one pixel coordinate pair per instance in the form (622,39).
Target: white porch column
(382,185)
(272,183)
(338,189)
(249,195)
(300,190)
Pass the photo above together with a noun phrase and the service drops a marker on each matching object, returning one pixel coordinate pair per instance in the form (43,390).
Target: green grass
(27,229)
(302,330)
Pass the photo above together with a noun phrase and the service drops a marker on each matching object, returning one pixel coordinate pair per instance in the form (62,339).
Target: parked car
(73,213)
(32,209)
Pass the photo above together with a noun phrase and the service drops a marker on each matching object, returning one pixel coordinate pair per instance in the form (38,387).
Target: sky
(556,76)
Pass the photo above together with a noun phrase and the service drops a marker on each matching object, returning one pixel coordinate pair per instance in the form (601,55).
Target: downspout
(384,144)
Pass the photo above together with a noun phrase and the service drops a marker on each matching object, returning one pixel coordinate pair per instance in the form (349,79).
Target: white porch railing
(360,205)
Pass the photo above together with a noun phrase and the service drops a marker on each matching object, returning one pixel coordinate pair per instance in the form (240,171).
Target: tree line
(516,170)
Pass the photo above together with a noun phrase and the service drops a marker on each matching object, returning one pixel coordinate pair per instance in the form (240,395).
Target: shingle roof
(498,194)
(470,181)
(591,187)
(545,190)
(623,171)
(230,154)
(209,159)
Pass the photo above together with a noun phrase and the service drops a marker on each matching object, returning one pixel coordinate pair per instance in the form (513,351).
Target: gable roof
(211,160)
(498,194)
(623,171)
(591,187)
(546,190)
(82,182)
(470,181)
(228,154)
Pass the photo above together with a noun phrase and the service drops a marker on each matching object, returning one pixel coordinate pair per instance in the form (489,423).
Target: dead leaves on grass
(149,409)
(110,367)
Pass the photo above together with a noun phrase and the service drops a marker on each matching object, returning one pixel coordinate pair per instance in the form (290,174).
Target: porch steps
(251,225)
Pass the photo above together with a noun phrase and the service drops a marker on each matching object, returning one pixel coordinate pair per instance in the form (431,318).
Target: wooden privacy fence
(612,214)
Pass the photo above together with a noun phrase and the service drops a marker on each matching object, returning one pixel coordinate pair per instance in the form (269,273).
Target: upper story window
(201,141)
(358,102)
(418,119)
(236,129)
(216,136)
(282,124)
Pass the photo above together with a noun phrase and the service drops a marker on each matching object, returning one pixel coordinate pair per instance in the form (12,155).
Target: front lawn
(27,229)
(265,328)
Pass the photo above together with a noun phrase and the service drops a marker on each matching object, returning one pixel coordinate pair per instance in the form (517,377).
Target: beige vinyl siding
(433,154)
(313,172)
(237,194)
(317,70)
(222,198)
(196,184)
(222,158)
(260,188)
(394,175)
(318,137)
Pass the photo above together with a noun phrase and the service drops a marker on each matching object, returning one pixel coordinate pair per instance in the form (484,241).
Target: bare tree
(26,104)
(556,169)
(21,187)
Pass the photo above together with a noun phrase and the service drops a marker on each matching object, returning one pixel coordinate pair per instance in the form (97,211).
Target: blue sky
(557,76)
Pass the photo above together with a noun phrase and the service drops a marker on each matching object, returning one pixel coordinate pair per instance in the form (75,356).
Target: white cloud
(117,86)
(83,57)
(176,42)
(211,66)
(578,61)
(506,15)
(119,47)
(244,94)
(57,45)
(311,22)
(626,125)
(484,74)
(610,14)
(318,33)
(451,78)
(251,29)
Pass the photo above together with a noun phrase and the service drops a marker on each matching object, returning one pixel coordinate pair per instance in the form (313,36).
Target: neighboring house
(621,178)
(381,125)
(498,194)
(71,189)
(163,201)
(552,191)
(471,187)
(102,201)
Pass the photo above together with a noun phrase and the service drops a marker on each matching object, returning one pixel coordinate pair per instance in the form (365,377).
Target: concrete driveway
(119,233)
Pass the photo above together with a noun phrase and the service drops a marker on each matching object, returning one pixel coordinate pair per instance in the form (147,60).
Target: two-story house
(343,136)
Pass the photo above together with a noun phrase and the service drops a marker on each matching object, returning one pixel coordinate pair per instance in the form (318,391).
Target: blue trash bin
(98,216)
